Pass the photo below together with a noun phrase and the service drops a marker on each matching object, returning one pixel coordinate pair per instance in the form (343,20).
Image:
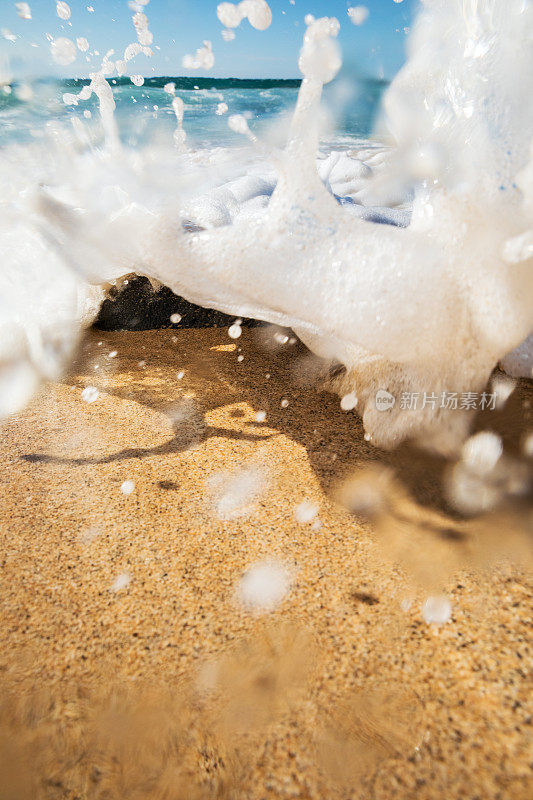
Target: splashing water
(257,12)
(429,302)
(358,14)
(23,10)
(202,59)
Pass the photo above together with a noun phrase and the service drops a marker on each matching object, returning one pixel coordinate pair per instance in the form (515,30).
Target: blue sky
(376,48)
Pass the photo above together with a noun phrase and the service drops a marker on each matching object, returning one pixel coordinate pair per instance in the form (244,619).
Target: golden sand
(128,667)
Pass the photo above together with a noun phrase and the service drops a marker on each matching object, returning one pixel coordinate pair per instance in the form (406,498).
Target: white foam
(257,12)
(204,57)
(358,14)
(63,50)
(429,303)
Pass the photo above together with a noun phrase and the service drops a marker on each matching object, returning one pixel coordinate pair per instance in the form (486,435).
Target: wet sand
(160,685)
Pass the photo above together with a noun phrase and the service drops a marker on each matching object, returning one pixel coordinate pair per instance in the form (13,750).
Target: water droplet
(90,394)
(264,585)
(358,14)
(122,581)
(305,512)
(234,331)
(23,10)
(63,51)
(349,402)
(437,610)
(63,10)
(482,452)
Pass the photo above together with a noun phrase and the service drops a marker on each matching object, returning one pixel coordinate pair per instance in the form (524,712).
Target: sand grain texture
(159,684)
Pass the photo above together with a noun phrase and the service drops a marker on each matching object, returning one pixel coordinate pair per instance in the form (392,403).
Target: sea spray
(257,12)
(425,305)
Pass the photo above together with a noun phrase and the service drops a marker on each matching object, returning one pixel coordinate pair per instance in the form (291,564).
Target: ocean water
(144,113)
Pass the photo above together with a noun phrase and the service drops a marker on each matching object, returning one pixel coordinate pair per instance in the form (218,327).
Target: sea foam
(409,263)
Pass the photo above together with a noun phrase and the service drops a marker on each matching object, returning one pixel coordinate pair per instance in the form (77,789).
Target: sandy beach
(128,666)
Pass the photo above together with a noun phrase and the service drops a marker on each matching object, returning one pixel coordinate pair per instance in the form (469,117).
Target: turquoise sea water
(144,113)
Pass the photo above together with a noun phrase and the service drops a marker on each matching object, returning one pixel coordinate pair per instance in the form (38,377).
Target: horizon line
(196,79)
